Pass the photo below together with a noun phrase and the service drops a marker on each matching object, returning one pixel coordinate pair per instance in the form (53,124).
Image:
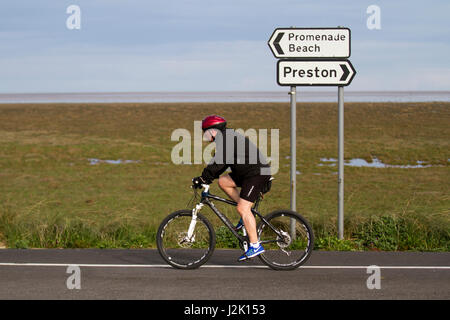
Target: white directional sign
(314,57)
(310,43)
(314,72)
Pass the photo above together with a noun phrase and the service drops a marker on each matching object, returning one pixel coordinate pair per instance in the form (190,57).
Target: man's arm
(213,171)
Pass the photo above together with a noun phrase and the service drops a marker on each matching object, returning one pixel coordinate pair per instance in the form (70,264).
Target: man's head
(212,124)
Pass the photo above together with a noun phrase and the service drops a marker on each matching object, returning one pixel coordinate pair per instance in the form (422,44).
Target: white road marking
(15,264)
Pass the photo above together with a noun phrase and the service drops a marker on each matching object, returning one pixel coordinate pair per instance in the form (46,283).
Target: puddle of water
(328,160)
(363,163)
(94,161)
(376,163)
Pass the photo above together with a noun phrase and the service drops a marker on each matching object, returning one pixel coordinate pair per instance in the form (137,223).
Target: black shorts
(250,187)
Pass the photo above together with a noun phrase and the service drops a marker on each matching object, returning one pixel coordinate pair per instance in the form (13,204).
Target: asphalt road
(142,274)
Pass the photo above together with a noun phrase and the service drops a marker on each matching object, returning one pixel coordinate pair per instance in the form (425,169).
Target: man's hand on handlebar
(198,181)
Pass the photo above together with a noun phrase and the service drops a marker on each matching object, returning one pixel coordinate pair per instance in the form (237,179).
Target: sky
(208,45)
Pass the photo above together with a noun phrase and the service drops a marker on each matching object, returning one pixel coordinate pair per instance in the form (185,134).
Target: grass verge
(51,196)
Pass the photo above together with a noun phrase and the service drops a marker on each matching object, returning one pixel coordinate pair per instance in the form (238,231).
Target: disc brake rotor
(285,241)
(184,241)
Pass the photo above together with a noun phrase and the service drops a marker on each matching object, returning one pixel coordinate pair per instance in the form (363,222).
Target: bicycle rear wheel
(177,249)
(295,245)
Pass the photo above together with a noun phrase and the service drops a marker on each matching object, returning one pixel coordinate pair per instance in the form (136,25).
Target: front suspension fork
(191,229)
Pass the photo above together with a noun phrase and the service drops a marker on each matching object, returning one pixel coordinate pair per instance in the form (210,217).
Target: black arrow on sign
(276,43)
(346,72)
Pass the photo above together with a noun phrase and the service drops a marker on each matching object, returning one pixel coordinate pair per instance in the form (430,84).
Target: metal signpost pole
(293,95)
(341,162)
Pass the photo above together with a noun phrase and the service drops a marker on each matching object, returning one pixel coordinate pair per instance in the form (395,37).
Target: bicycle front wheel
(177,248)
(291,245)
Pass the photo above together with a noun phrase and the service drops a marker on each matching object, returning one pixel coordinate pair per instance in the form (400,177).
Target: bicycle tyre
(275,252)
(182,257)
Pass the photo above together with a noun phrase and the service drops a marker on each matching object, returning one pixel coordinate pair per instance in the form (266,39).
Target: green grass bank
(52,196)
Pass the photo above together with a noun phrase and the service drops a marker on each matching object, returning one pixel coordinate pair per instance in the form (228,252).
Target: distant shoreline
(303,95)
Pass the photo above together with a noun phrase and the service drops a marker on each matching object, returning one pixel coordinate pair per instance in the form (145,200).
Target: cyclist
(249,171)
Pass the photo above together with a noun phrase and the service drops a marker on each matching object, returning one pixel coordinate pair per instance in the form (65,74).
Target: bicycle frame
(205,200)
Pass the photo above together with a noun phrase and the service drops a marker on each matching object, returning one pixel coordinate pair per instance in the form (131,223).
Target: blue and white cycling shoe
(252,252)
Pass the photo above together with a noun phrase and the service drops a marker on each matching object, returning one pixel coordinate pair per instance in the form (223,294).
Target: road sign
(310,43)
(314,72)
(314,57)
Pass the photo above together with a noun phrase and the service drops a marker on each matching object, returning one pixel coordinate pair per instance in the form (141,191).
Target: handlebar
(204,186)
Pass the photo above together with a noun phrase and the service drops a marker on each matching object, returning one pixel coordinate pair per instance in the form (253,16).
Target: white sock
(255,245)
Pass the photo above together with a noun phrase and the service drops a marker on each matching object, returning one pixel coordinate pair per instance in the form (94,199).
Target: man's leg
(229,187)
(244,209)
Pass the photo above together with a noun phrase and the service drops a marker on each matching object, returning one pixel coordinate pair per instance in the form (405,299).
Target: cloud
(199,45)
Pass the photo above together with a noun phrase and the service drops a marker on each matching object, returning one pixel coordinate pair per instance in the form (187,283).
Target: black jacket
(237,152)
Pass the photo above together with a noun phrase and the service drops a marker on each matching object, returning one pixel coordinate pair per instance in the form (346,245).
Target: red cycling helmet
(214,122)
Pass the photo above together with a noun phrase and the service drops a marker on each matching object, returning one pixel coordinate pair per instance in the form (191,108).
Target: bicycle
(186,239)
